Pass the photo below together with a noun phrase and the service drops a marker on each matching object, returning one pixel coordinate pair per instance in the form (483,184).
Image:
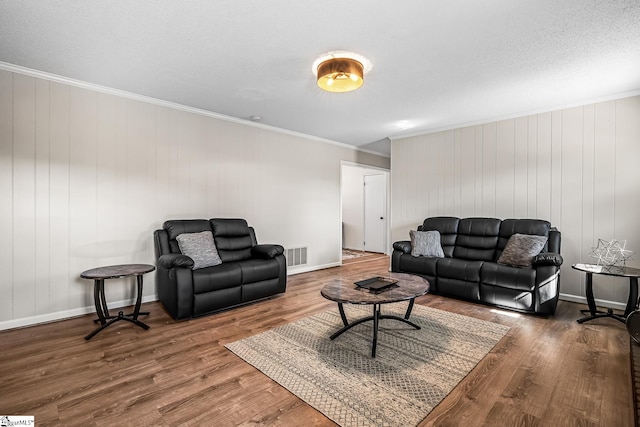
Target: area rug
(635,378)
(412,372)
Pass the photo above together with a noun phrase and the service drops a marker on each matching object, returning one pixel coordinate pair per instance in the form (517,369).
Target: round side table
(616,271)
(98,275)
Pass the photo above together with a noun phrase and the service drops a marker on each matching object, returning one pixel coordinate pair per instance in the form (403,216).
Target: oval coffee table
(344,291)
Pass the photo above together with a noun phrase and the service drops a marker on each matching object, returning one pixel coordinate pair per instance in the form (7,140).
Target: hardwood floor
(545,372)
(363,257)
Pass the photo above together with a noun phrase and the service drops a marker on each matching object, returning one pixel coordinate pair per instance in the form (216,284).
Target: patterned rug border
(635,378)
(412,373)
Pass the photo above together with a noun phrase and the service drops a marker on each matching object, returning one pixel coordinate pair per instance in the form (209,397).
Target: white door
(375,212)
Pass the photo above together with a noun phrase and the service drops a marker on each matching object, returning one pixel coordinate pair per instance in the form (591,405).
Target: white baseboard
(291,271)
(599,302)
(66,314)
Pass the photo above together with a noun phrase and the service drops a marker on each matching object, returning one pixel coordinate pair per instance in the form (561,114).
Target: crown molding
(154,101)
(520,114)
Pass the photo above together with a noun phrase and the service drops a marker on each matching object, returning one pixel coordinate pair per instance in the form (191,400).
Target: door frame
(377,170)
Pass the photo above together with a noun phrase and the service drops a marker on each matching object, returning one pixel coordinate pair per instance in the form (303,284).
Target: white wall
(577,167)
(86,176)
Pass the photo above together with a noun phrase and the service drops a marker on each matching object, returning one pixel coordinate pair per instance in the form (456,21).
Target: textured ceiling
(435,64)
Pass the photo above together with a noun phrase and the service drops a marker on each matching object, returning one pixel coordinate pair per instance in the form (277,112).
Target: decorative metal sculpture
(611,253)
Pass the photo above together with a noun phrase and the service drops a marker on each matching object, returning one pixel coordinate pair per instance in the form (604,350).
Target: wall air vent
(296,256)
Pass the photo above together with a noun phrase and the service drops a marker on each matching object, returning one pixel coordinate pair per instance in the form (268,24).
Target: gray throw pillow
(520,250)
(200,247)
(426,243)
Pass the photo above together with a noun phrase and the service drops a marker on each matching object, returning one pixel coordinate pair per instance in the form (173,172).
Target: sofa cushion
(477,239)
(263,289)
(505,276)
(175,227)
(520,250)
(458,288)
(233,238)
(426,243)
(460,269)
(424,266)
(209,302)
(258,269)
(221,276)
(200,248)
(447,226)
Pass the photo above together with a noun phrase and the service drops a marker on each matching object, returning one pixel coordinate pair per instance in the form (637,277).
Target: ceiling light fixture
(340,71)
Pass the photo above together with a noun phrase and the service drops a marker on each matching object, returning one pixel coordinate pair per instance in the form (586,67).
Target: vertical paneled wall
(578,168)
(86,176)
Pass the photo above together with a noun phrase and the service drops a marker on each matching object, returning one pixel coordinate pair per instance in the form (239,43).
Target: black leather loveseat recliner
(247,272)
(469,268)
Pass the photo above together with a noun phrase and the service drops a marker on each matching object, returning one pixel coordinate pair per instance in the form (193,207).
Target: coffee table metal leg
(342,315)
(408,313)
(349,326)
(376,314)
(376,317)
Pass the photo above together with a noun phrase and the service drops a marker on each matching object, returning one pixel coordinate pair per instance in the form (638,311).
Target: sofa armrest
(547,258)
(403,246)
(170,261)
(266,251)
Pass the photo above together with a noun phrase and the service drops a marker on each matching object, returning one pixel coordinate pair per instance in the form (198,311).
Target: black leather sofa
(469,268)
(248,271)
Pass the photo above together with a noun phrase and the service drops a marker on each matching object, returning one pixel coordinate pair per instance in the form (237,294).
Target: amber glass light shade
(340,75)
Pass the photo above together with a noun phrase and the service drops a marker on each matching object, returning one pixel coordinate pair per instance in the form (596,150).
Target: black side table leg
(134,321)
(633,296)
(113,319)
(590,299)
(102,310)
(100,303)
(136,310)
(593,310)
(103,299)
(99,300)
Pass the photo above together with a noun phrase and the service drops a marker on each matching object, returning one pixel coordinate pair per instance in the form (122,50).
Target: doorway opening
(364,210)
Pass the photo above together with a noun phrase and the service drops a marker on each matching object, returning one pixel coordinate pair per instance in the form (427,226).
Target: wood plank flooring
(545,372)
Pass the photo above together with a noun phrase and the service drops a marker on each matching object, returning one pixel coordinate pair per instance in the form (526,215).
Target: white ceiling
(436,64)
